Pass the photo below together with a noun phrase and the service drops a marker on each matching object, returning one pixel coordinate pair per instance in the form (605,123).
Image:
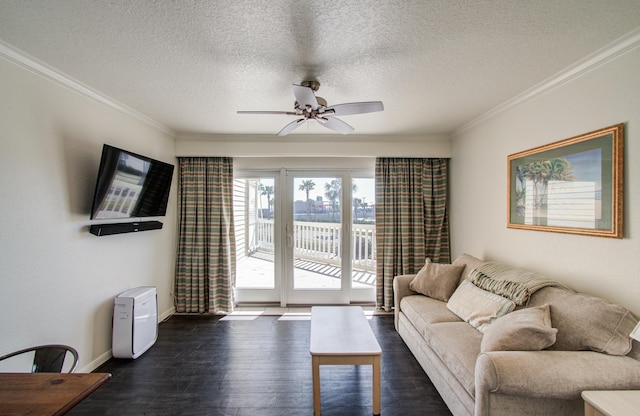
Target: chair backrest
(48,358)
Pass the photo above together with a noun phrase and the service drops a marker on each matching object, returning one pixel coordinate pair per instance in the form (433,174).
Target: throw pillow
(477,306)
(469,262)
(587,322)
(437,281)
(523,330)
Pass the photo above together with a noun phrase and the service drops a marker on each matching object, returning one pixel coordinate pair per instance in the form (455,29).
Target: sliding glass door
(303,237)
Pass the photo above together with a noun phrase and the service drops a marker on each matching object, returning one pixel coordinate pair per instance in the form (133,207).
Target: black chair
(48,358)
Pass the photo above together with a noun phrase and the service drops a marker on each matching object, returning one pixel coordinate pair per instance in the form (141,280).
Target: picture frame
(572,186)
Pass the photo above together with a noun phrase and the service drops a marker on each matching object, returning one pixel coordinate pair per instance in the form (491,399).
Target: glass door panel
(317,234)
(363,240)
(316,239)
(256,239)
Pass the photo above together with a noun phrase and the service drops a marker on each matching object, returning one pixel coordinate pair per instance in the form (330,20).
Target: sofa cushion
(586,322)
(457,344)
(438,281)
(523,330)
(478,307)
(469,262)
(423,311)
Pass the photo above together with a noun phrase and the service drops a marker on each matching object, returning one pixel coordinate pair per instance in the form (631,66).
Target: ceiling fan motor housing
(314,85)
(311,107)
(322,104)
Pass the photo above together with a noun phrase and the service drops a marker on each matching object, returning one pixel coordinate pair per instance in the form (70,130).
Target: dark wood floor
(209,366)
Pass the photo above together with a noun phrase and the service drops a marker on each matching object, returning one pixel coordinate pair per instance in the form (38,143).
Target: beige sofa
(544,381)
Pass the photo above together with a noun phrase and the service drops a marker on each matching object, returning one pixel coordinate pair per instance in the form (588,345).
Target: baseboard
(96,363)
(167,314)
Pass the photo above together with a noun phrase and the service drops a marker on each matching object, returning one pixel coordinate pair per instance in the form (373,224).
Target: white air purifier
(135,322)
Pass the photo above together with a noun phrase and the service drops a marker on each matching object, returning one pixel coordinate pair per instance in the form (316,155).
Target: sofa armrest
(551,374)
(400,290)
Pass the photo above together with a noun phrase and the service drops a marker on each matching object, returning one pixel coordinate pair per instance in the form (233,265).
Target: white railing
(265,238)
(363,237)
(321,242)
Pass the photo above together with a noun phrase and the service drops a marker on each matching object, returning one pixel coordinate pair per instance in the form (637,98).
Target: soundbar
(124,227)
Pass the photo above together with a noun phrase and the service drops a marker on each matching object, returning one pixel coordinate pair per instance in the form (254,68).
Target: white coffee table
(341,335)
(611,402)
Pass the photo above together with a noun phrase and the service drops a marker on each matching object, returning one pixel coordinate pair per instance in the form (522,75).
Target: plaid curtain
(205,265)
(411,219)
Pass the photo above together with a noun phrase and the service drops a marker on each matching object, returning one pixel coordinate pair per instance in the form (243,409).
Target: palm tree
(268,191)
(307,185)
(357,203)
(558,169)
(522,172)
(535,172)
(540,173)
(332,192)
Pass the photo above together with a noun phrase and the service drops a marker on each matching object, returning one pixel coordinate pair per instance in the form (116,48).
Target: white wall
(313,146)
(57,281)
(607,95)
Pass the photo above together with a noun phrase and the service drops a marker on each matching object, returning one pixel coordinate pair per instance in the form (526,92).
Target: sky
(587,166)
(365,191)
(365,188)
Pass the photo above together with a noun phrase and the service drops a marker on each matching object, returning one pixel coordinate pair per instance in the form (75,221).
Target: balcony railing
(321,242)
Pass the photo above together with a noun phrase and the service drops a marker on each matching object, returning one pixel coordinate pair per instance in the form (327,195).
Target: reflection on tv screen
(125,188)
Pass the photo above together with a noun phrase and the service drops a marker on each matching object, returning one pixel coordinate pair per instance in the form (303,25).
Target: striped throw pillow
(477,306)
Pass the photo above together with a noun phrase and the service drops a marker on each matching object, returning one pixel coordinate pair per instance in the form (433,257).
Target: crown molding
(313,138)
(339,149)
(37,67)
(614,50)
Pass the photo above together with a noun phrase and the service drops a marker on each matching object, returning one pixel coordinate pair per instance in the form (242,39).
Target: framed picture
(571,186)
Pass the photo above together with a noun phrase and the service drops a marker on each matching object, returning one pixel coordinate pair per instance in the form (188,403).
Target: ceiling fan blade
(355,108)
(305,96)
(291,127)
(336,124)
(267,112)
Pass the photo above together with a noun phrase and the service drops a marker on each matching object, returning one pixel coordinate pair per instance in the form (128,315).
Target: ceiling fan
(311,107)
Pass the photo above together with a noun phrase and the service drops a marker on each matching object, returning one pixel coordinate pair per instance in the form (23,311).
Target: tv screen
(130,186)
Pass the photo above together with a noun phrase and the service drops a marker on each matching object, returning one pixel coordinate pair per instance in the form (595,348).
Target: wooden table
(46,393)
(611,402)
(341,335)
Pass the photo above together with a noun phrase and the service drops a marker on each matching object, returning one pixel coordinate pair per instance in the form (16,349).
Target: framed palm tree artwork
(571,186)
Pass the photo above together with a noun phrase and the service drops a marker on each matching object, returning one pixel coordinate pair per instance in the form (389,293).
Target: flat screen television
(130,186)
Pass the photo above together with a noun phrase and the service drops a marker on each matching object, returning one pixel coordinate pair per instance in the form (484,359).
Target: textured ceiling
(190,65)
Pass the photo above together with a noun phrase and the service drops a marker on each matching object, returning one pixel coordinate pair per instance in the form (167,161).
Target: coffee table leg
(315,364)
(376,385)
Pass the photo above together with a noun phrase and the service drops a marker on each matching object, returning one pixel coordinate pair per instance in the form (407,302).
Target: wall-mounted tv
(130,186)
